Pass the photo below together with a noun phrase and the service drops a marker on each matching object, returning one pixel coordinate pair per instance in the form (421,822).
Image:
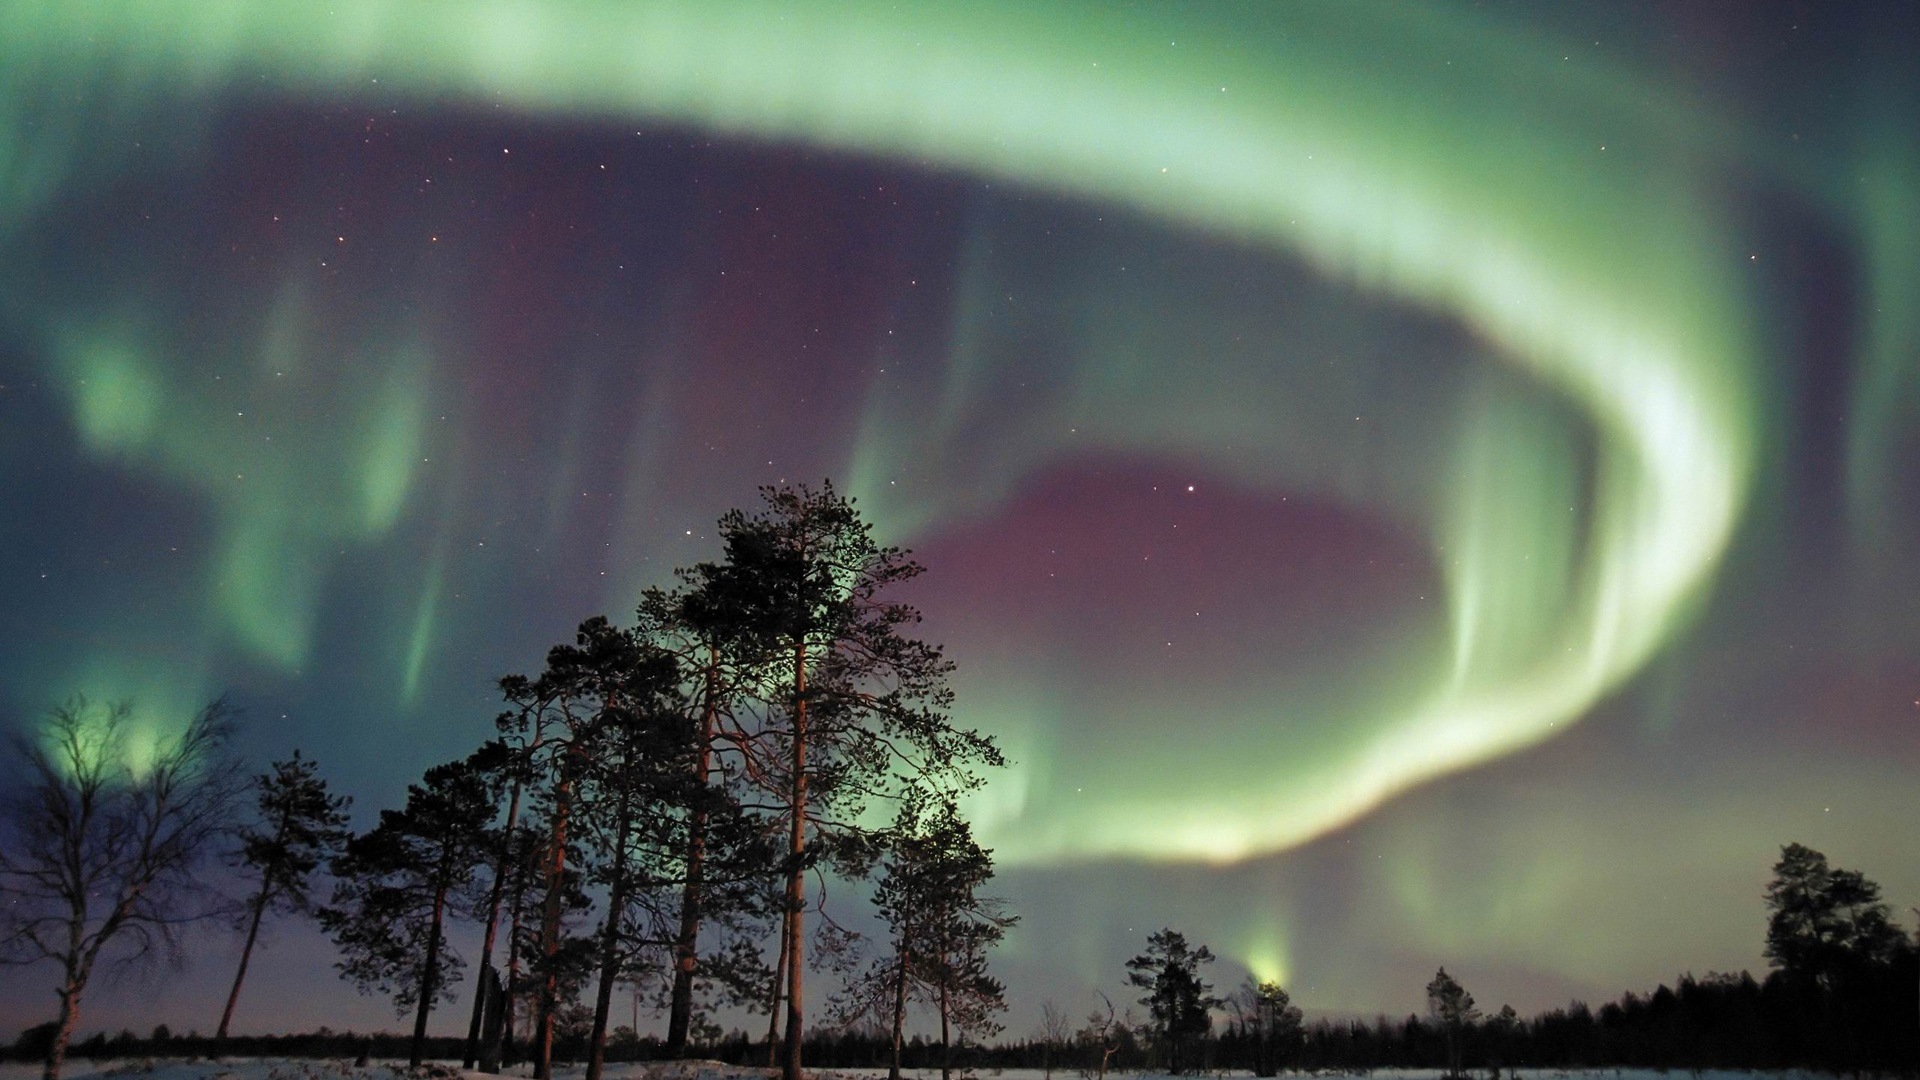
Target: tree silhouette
(957,926)
(1503,1026)
(690,624)
(298,827)
(1269,1018)
(1822,921)
(1055,1030)
(1451,1007)
(849,701)
(505,764)
(102,845)
(636,789)
(397,883)
(565,709)
(723,858)
(1177,999)
(941,929)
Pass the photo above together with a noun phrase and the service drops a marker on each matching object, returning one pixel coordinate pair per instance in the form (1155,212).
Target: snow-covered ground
(285,1069)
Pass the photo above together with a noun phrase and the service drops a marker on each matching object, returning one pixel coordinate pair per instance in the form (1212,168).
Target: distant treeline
(1866,1023)
(1716,1021)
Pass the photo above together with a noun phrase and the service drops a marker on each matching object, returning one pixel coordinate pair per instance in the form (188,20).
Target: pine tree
(1177,999)
(1450,1006)
(849,700)
(397,884)
(531,972)
(635,793)
(958,926)
(565,709)
(723,856)
(505,764)
(941,930)
(299,827)
(1823,921)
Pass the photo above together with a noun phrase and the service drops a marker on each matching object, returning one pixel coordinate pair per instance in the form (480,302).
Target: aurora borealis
(1407,485)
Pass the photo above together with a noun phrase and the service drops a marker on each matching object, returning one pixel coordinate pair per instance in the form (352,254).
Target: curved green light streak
(1336,138)
(1886,397)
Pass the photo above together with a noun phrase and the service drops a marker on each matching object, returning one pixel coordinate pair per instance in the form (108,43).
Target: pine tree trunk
(899,1008)
(687,948)
(494,895)
(550,933)
(796,878)
(427,980)
(775,996)
(246,954)
(509,989)
(946,1046)
(609,950)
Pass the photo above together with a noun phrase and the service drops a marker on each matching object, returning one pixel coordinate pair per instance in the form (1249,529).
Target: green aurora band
(1435,193)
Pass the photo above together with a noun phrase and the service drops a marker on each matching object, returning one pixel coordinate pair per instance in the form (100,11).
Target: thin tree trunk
(246,954)
(796,874)
(63,1034)
(550,933)
(80,956)
(494,896)
(899,1008)
(609,950)
(427,973)
(509,986)
(774,997)
(946,1008)
(687,950)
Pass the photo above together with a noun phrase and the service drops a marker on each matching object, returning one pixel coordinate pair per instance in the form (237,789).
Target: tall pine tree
(398,883)
(565,708)
(723,858)
(849,701)
(298,827)
(1451,1007)
(1177,998)
(942,927)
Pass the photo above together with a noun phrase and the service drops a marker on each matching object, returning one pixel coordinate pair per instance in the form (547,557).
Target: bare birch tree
(104,838)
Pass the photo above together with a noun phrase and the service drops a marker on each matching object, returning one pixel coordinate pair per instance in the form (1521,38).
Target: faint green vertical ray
(1885,405)
(425,616)
(389,446)
(266,583)
(643,475)
(563,487)
(1266,953)
(1511,540)
(454,494)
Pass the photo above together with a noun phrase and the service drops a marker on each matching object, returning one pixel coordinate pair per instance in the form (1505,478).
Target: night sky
(1407,485)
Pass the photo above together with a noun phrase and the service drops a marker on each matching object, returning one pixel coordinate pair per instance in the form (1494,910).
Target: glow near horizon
(1455,198)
